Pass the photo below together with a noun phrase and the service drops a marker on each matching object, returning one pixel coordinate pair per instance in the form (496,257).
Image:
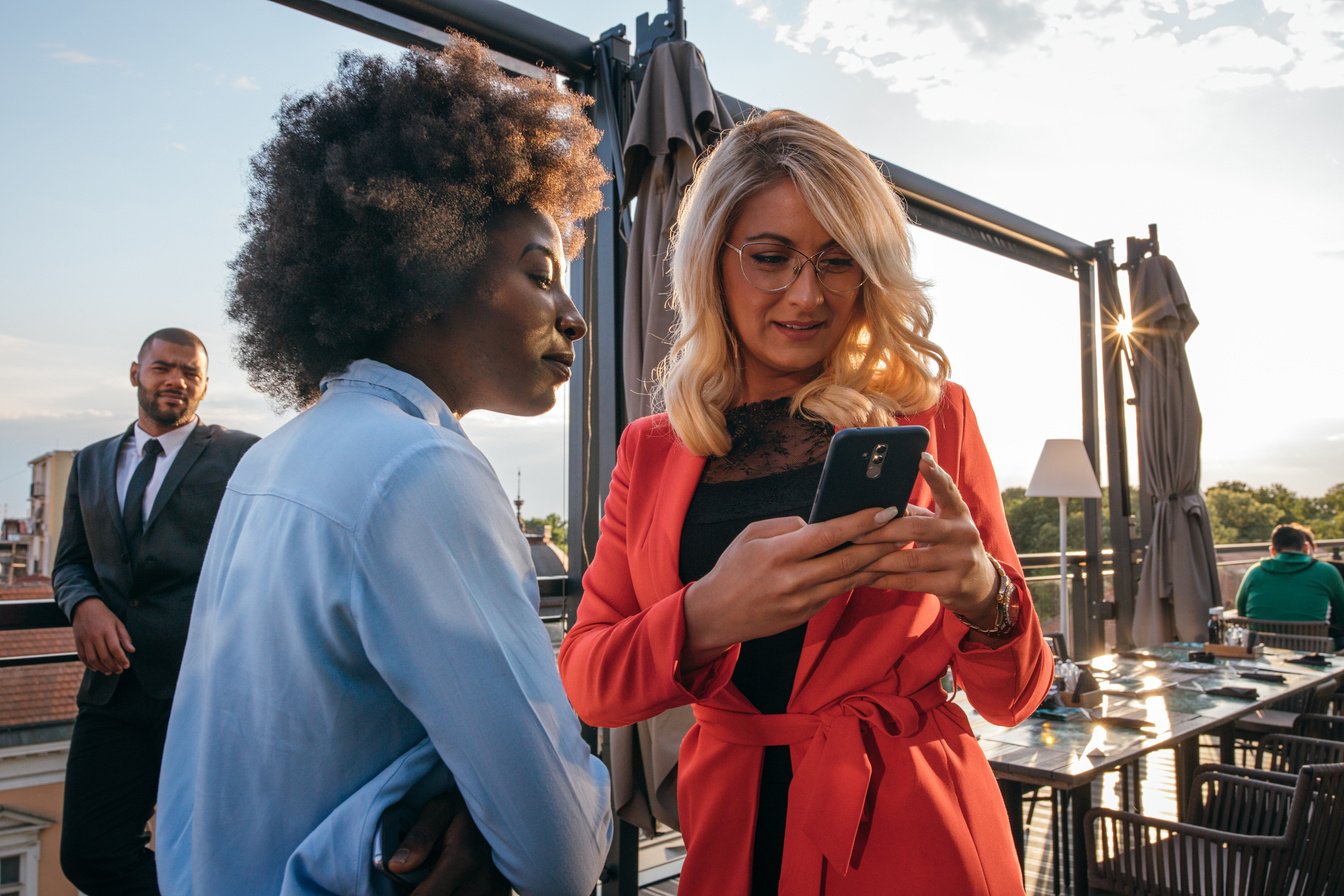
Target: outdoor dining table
(1157,688)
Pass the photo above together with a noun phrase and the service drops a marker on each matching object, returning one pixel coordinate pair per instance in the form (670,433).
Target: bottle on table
(1215,625)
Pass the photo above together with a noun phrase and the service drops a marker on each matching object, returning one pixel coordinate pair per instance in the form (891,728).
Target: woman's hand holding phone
(776,574)
(947,558)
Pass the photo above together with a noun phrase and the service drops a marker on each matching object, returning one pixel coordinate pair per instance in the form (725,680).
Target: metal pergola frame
(607,70)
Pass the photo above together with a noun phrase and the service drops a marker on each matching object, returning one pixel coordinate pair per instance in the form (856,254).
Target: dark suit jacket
(152,592)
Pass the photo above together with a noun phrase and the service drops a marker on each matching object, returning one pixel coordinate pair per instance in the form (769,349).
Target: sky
(128,127)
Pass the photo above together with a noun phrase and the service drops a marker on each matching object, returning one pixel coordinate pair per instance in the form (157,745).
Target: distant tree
(1326,513)
(1241,513)
(1237,514)
(1034,522)
(559,528)
(1291,506)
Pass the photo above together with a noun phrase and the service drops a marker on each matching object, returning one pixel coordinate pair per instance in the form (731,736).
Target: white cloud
(1012,62)
(756,11)
(178,147)
(88,374)
(1315,32)
(1202,9)
(237,82)
(63,414)
(62,53)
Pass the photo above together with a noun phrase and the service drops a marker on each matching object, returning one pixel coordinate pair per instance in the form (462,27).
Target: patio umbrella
(678,114)
(1179,580)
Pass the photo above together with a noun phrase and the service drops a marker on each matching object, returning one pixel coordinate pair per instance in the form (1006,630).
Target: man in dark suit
(138,514)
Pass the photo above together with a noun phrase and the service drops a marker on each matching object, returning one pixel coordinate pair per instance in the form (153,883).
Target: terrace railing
(558,599)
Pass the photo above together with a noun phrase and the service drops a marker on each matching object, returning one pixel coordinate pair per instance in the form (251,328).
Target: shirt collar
(368,375)
(170,441)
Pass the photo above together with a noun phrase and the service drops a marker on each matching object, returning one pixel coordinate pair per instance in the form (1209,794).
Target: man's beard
(170,417)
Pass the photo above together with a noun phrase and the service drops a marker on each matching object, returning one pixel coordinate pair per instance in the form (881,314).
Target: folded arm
(449,620)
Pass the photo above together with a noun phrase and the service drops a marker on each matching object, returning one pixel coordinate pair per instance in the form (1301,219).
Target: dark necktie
(133,514)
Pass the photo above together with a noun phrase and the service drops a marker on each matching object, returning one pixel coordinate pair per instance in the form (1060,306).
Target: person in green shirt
(1291,585)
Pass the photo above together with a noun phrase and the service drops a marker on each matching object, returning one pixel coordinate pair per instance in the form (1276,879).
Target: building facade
(46,499)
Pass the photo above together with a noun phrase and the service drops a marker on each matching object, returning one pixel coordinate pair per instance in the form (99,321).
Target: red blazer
(891,793)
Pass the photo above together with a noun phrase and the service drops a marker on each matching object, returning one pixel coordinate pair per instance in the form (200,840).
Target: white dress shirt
(133,450)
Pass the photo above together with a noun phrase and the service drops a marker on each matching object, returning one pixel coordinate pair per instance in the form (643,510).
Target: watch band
(1004,622)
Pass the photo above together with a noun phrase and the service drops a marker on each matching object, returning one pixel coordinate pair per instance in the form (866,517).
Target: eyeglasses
(772,267)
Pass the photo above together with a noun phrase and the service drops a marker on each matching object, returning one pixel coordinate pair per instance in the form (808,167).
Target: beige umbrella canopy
(1179,580)
(677,116)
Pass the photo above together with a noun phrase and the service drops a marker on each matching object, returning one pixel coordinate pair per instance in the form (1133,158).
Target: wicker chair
(1318,725)
(1250,833)
(1289,752)
(1312,636)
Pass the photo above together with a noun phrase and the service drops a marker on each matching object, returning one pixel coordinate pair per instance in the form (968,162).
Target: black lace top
(772,470)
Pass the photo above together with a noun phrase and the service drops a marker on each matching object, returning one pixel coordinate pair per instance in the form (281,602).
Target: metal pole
(1094,584)
(1064,626)
(1117,449)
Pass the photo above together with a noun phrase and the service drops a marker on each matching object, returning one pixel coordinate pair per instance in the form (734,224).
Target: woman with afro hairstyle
(365,632)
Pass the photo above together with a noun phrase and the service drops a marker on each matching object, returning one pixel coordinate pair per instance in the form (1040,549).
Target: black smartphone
(872,467)
(395,823)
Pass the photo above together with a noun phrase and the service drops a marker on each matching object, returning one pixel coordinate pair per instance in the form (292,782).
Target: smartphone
(871,467)
(395,823)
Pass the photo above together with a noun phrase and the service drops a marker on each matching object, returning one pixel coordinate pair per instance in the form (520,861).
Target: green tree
(1325,515)
(1241,513)
(1034,522)
(1292,507)
(1238,516)
(559,528)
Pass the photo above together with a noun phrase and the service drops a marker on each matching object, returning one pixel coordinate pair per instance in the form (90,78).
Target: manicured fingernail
(886,516)
(928,458)
(401,855)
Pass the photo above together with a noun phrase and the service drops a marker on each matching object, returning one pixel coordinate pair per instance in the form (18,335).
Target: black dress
(772,470)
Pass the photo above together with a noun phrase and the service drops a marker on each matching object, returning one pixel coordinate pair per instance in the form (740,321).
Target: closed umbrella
(677,116)
(1179,580)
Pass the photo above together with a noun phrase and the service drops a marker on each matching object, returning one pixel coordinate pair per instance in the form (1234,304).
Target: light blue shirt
(366,615)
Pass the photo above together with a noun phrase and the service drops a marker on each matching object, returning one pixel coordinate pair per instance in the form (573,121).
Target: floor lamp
(1064,471)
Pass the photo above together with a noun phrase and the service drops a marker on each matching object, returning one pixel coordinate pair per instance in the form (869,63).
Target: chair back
(1304,643)
(1315,834)
(1290,752)
(1240,804)
(1319,726)
(1311,635)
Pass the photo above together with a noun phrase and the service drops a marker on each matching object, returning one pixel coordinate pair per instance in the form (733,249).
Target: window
(20,851)
(11,876)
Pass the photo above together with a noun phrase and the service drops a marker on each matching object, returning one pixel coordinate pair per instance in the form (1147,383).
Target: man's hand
(446,835)
(101,640)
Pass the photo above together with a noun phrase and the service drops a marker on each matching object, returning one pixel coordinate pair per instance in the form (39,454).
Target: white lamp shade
(1064,471)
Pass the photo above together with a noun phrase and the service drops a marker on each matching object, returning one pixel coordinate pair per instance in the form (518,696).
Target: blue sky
(128,128)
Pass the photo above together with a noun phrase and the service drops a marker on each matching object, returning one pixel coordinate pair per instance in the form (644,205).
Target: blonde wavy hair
(884,365)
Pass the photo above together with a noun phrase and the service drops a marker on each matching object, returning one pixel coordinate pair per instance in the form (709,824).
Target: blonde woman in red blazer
(825,755)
